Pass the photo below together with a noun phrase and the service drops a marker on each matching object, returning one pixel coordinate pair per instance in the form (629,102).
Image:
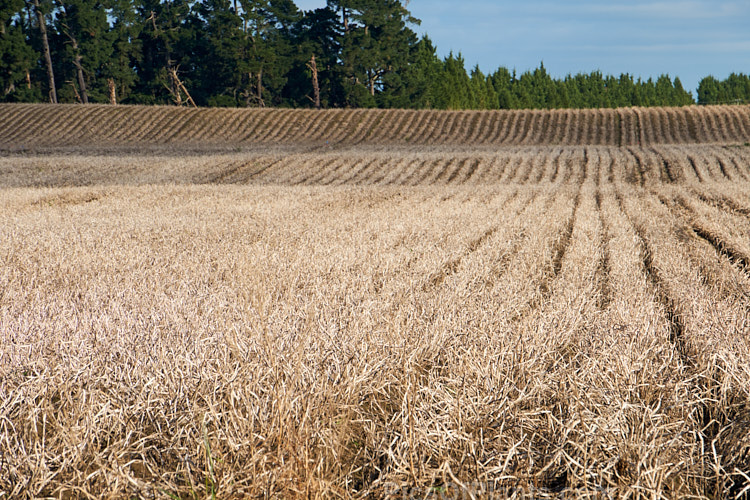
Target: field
(352,303)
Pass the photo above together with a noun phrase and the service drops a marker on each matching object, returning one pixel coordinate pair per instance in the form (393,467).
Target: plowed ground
(537,318)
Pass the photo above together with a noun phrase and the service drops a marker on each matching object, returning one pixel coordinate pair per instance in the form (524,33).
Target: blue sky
(686,38)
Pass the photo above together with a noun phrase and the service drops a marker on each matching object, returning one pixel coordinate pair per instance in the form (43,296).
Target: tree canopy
(364,53)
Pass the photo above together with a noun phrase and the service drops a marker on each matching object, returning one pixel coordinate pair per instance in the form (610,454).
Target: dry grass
(535,321)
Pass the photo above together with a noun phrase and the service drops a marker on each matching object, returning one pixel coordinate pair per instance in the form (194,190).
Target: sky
(690,39)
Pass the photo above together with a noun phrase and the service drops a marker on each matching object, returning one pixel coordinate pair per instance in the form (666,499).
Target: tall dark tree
(164,38)
(315,33)
(41,14)
(283,16)
(483,92)
(352,53)
(17,57)
(383,41)
(127,47)
(83,31)
(261,56)
(420,81)
(219,54)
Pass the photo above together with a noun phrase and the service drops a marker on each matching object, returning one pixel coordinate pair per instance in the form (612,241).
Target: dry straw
(529,321)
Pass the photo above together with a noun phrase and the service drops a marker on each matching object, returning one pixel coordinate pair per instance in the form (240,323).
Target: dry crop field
(349,303)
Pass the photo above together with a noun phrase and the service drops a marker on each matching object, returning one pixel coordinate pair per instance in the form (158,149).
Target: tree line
(351,53)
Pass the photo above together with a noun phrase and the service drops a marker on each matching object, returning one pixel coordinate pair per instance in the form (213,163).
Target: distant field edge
(30,127)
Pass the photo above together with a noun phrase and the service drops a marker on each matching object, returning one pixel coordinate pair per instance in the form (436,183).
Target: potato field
(221,303)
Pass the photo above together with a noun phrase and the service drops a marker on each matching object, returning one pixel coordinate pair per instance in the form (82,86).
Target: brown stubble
(570,319)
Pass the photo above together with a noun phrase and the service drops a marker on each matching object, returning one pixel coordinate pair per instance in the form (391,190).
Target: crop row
(580,336)
(642,166)
(33,125)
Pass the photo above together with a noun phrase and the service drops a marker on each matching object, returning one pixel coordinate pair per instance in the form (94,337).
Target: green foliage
(258,53)
(315,33)
(17,56)
(734,90)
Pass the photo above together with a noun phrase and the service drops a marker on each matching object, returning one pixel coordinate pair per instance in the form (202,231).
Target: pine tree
(164,38)
(503,81)
(127,48)
(376,42)
(83,41)
(217,59)
(681,96)
(483,92)
(708,91)
(421,79)
(41,14)
(261,55)
(17,57)
(456,84)
(315,33)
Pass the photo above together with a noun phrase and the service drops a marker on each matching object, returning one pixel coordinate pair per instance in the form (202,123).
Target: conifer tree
(164,38)
(82,37)
(127,47)
(314,33)
(376,42)
(41,16)
(17,57)
(218,54)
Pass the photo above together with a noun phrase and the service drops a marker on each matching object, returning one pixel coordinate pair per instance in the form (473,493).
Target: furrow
(742,129)
(604,269)
(357,173)
(640,168)
(450,169)
(482,127)
(525,172)
(691,161)
(396,168)
(668,169)
(525,138)
(370,133)
(471,170)
(16,120)
(451,266)
(675,321)
(31,121)
(271,164)
(365,119)
(256,119)
(421,130)
(330,172)
(402,131)
(456,123)
(496,127)
(411,170)
(694,129)
(493,172)
(507,127)
(561,247)
(343,128)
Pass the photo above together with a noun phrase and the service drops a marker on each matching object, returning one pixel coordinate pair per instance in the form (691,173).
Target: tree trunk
(47,54)
(316,88)
(81,79)
(75,91)
(112,91)
(177,88)
(260,89)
